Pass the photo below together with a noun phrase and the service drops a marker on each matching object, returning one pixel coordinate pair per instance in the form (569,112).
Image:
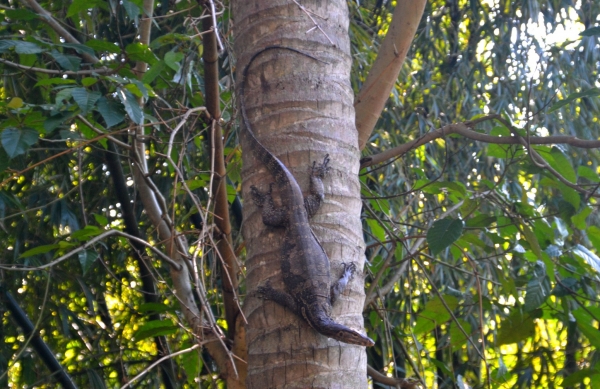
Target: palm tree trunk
(301,109)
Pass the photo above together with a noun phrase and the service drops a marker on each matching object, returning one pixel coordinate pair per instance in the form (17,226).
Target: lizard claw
(264,290)
(322,169)
(349,268)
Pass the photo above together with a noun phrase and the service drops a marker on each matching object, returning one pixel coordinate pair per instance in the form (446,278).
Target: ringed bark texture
(301,109)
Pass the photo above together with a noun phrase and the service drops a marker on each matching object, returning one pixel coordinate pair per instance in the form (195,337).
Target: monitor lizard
(304,264)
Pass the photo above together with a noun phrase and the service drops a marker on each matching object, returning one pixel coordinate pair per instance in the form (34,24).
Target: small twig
(308,13)
(58,72)
(88,244)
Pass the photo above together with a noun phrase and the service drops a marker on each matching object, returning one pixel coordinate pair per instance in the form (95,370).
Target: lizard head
(351,336)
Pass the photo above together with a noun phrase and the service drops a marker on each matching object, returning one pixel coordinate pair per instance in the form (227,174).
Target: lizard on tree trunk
(304,264)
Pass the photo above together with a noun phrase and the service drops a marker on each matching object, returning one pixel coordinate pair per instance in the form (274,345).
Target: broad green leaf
(588,256)
(172,59)
(561,164)
(95,380)
(22,47)
(55,81)
(103,46)
(591,31)
(133,11)
(192,364)
(66,61)
(434,314)
(20,14)
(86,259)
(111,111)
(87,232)
(155,328)
(516,327)
(140,52)
(39,250)
(593,234)
(443,233)
(78,6)
(131,106)
(88,81)
(155,308)
(17,142)
(536,294)
(584,321)
(532,240)
(457,337)
(579,376)
(587,173)
(579,220)
(376,229)
(154,71)
(101,219)
(85,99)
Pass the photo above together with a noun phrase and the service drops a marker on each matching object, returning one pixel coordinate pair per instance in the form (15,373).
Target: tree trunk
(301,109)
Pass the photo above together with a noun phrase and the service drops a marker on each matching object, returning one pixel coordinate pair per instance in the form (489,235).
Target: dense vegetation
(483,257)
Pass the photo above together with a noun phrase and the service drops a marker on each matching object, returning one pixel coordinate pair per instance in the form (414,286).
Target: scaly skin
(304,264)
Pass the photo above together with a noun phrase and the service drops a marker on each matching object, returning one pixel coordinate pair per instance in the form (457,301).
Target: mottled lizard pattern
(304,264)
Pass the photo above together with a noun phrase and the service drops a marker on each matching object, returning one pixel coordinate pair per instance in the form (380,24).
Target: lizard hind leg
(338,287)
(271,215)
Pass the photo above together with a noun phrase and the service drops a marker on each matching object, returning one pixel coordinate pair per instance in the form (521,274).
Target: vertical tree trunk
(301,109)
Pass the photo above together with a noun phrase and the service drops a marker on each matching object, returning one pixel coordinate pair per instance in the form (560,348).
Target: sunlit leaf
(434,314)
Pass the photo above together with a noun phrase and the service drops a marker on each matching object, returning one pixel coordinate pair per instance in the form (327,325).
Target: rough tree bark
(301,110)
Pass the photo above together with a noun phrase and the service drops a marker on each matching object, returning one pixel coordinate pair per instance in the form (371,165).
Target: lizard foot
(322,169)
(260,197)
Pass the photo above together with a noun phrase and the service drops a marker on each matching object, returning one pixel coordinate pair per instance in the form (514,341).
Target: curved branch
(60,30)
(465,129)
(58,72)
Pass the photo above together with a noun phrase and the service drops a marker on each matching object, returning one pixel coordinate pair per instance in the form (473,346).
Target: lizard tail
(273,164)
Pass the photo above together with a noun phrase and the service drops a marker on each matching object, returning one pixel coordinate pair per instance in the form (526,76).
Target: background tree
(120,163)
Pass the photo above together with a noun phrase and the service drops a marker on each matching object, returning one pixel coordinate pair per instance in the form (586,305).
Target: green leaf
(17,142)
(39,250)
(457,337)
(87,232)
(140,52)
(78,6)
(532,240)
(577,378)
(101,219)
(172,59)
(154,71)
(192,364)
(27,48)
(111,111)
(584,321)
(131,106)
(86,259)
(592,31)
(592,259)
(103,46)
(434,314)
(55,81)
(536,294)
(88,81)
(5,45)
(592,92)
(155,328)
(561,164)
(443,233)
(516,327)
(22,15)
(587,173)
(96,382)
(376,229)
(593,234)
(133,11)
(155,308)
(15,103)
(85,99)
(66,61)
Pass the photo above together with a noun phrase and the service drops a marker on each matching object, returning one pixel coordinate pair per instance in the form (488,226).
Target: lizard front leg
(338,287)
(267,292)
(313,201)
(271,215)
